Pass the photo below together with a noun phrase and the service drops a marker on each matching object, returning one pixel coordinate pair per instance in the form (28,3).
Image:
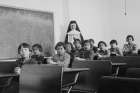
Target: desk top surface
(75,69)
(118,64)
(8,75)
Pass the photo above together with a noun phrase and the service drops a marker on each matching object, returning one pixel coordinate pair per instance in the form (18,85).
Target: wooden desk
(118,65)
(66,70)
(77,72)
(8,75)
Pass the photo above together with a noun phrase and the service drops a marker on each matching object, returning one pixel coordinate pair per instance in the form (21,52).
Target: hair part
(87,41)
(59,44)
(77,40)
(38,46)
(129,36)
(70,45)
(103,43)
(114,41)
(24,45)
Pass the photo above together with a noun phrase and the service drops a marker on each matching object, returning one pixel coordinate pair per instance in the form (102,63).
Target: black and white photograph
(69,46)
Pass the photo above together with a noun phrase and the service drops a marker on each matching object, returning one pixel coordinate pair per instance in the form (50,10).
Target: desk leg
(117,71)
(75,81)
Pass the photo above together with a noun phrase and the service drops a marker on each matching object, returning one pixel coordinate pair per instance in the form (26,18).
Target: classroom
(69,46)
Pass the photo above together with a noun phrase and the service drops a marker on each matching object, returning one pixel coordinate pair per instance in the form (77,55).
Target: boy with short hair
(37,54)
(87,52)
(77,47)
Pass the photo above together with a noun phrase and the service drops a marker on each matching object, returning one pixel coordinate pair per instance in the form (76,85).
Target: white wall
(92,16)
(105,20)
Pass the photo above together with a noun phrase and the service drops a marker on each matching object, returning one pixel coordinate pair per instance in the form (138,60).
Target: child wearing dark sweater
(87,52)
(114,50)
(38,54)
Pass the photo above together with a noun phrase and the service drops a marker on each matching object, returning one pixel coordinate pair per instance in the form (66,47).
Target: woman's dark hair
(129,36)
(70,45)
(24,45)
(114,41)
(103,43)
(37,46)
(59,44)
(69,27)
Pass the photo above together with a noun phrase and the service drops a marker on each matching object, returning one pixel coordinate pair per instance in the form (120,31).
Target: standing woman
(73,32)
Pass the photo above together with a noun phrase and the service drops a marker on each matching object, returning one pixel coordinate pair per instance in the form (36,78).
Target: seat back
(40,79)
(7,66)
(91,78)
(132,61)
(111,84)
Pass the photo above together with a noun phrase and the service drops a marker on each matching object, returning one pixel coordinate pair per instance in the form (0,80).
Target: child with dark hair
(70,51)
(38,54)
(24,52)
(114,50)
(102,51)
(130,48)
(92,45)
(73,32)
(87,52)
(61,58)
(77,47)
(77,44)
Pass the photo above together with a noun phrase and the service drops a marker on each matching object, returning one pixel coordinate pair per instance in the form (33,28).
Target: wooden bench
(89,80)
(111,84)
(131,61)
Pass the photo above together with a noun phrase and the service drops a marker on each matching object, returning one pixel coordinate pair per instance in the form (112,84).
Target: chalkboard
(23,25)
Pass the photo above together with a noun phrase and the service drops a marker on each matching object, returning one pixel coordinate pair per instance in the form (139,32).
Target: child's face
(77,45)
(87,46)
(102,46)
(60,50)
(73,26)
(68,48)
(130,40)
(113,45)
(36,51)
(25,52)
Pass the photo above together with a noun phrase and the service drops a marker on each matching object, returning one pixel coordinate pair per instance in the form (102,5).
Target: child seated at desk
(93,46)
(24,52)
(77,47)
(114,50)
(87,52)
(61,58)
(37,54)
(70,51)
(102,51)
(130,48)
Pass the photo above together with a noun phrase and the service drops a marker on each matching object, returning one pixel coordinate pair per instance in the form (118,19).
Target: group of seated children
(28,55)
(68,52)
